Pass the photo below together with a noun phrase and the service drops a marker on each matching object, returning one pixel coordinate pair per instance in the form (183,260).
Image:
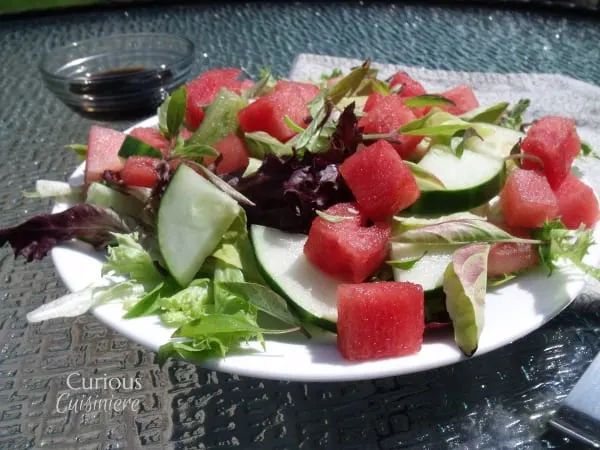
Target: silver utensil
(579,415)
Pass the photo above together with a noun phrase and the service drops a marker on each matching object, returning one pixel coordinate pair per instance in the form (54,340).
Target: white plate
(512,311)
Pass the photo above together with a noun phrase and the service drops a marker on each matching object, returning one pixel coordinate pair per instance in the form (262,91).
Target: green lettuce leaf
(465,283)
(560,245)
(78,303)
(188,304)
(59,190)
(129,258)
(236,250)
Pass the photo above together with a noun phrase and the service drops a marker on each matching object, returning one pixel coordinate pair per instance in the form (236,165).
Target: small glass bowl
(119,74)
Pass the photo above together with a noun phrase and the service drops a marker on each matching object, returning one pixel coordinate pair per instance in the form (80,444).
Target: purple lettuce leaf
(287,191)
(34,238)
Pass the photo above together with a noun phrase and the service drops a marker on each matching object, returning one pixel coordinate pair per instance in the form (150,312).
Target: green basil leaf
(264,299)
(176,111)
(428,100)
(348,85)
(134,147)
(465,284)
(195,152)
(432,119)
(260,144)
(465,135)
(380,87)
(447,130)
(217,324)
(513,118)
(292,125)
(459,231)
(146,305)
(405,264)
(402,223)
(491,114)
(79,149)
(425,179)
(331,218)
(263,86)
(221,118)
(498,281)
(162,116)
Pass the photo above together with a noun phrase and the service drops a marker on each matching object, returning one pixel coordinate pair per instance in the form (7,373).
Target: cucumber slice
(192,217)
(429,270)
(471,180)
(284,267)
(123,204)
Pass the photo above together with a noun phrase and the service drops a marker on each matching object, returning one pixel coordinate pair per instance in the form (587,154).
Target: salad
(364,207)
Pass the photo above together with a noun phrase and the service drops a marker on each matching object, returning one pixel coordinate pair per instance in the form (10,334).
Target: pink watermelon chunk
(527,199)
(464,100)
(140,171)
(204,89)
(380,181)
(577,203)
(372,101)
(379,320)
(555,141)
(349,250)
(103,152)
(268,113)
(387,115)
(410,86)
(151,137)
(305,90)
(235,155)
(509,257)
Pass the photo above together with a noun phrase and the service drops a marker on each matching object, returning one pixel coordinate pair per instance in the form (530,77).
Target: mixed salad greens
(182,248)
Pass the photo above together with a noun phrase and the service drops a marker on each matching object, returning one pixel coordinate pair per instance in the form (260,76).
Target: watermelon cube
(555,141)
(380,181)
(387,115)
(103,152)
(204,89)
(464,100)
(379,320)
(372,100)
(510,257)
(305,90)
(527,199)
(577,203)
(410,87)
(233,150)
(151,136)
(268,113)
(140,171)
(349,250)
